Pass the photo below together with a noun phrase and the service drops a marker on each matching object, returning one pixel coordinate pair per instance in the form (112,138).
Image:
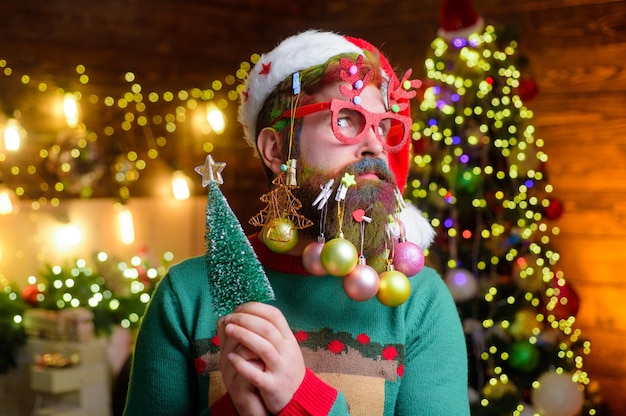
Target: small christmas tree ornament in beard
(280,220)
(408,257)
(311,253)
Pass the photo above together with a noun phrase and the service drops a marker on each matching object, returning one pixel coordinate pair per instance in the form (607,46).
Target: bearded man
(324,112)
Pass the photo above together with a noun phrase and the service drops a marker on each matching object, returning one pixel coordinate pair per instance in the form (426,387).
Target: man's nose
(371,145)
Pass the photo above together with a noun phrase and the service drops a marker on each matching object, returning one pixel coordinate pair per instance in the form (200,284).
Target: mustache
(372,165)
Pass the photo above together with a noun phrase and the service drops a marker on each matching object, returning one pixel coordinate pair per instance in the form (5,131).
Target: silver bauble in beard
(362,282)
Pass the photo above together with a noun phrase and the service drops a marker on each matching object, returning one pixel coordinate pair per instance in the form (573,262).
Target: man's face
(318,144)
(322,157)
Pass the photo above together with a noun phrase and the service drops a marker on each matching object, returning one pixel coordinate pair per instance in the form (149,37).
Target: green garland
(12,334)
(116,292)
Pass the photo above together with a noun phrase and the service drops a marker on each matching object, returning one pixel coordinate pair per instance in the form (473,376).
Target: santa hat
(299,52)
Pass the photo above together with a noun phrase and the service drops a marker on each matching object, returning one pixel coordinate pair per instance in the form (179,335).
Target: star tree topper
(211,171)
(235,273)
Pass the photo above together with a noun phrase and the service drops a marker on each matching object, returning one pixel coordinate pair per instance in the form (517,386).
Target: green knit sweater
(362,358)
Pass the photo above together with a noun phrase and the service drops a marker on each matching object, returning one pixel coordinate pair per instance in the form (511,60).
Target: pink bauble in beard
(311,258)
(408,258)
(362,282)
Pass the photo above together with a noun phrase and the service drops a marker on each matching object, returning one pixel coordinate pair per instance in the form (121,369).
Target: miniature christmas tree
(235,274)
(481,176)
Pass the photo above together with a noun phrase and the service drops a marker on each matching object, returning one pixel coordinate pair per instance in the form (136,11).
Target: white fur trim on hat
(416,227)
(294,54)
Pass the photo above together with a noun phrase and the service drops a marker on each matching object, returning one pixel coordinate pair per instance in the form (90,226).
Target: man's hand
(267,356)
(245,396)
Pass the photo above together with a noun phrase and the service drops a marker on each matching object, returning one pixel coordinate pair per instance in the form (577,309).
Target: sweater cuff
(224,406)
(313,398)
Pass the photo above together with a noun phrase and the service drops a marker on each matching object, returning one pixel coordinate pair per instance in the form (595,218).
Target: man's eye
(350,119)
(343,122)
(383,127)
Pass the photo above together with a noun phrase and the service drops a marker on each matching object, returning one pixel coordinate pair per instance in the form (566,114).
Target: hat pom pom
(417,228)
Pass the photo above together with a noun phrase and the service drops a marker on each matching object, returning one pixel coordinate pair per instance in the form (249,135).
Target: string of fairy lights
(136,113)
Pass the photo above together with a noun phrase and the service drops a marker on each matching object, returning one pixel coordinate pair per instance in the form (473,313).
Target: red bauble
(29,295)
(527,90)
(554,210)
(565,302)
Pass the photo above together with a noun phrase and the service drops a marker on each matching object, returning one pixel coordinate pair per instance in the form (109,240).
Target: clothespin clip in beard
(311,253)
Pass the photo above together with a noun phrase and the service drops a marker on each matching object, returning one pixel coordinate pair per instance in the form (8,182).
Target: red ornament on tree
(29,295)
(564,302)
(528,89)
(554,210)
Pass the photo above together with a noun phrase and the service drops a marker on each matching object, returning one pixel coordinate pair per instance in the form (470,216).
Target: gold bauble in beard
(280,235)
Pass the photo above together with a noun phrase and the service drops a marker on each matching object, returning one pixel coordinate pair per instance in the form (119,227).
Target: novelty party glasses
(351,123)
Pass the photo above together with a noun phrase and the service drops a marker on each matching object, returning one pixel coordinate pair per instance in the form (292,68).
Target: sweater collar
(279,262)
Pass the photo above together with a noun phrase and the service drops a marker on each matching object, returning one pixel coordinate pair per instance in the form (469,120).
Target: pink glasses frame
(371,120)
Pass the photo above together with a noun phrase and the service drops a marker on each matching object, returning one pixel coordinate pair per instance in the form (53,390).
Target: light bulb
(126,227)
(70,109)
(8,200)
(67,236)
(215,117)
(180,185)
(13,135)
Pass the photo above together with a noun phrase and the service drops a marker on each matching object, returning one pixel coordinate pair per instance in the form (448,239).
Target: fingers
(268,313)
(253,371)
(255,337)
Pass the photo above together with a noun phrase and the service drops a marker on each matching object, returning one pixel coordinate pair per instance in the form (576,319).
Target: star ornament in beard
(374,193)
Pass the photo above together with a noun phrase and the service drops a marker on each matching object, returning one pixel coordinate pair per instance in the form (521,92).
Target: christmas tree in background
(480,175)
(234,271)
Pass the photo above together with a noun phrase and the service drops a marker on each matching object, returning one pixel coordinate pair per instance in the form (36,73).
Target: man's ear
(270,144)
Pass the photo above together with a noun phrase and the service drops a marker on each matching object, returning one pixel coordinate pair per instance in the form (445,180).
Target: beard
(377,198)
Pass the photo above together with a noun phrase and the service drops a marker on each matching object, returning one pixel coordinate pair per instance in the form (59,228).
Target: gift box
(71,324)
